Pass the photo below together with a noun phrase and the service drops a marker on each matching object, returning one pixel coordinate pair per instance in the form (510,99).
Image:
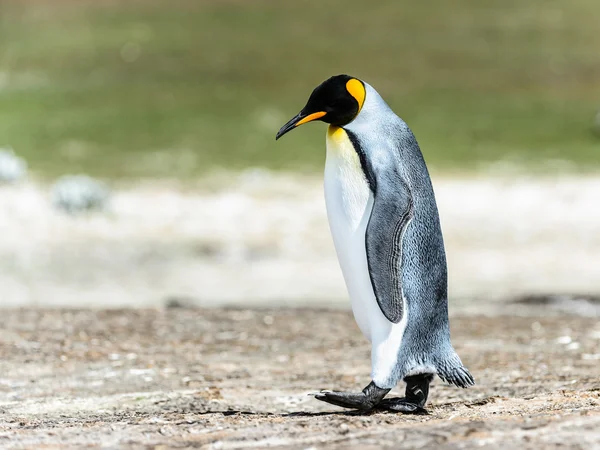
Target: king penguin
(386,230)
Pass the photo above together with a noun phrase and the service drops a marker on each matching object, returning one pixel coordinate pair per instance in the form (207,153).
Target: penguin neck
(374,114)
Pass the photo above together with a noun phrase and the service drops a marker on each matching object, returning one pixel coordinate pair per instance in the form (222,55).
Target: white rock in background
(12,167)
(596,124)
(79,193)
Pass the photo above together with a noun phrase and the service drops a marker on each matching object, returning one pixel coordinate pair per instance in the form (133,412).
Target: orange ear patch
(357,90)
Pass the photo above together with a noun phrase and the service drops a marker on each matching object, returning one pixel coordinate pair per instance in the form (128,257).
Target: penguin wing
(392,211)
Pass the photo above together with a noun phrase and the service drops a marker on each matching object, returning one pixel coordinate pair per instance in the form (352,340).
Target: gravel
(240,378)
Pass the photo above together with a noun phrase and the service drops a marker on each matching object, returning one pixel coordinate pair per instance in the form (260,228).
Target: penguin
(386,231)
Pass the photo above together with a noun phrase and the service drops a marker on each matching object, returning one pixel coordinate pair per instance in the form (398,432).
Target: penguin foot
(370,397)
(417,391)
(401,405)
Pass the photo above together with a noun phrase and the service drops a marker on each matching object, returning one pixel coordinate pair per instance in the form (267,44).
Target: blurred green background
(128,89)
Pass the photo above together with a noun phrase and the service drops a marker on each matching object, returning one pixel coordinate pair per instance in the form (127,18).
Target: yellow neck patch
(357,90)
(334,131)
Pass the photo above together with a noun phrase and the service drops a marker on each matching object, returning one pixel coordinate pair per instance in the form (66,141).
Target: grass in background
(156,88)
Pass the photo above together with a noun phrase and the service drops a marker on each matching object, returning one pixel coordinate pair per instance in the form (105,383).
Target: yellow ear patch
(357,90)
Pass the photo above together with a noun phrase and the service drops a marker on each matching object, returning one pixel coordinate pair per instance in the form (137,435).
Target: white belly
(349,202)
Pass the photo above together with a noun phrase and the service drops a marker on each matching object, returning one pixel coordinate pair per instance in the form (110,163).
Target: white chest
(347,193)
(349,201)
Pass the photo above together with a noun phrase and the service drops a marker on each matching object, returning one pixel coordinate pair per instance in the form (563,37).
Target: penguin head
(336,101)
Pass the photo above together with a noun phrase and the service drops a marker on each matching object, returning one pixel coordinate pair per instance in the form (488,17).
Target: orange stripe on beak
(311,117)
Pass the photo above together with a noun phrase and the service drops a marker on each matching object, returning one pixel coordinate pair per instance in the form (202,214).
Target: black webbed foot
(401,405)
(417,390)
(370,397)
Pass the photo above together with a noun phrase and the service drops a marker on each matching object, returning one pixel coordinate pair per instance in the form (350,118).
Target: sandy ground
(261,238)
(241,378)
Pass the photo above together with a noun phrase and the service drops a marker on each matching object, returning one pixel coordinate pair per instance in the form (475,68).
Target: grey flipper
(391,213)
(405,252)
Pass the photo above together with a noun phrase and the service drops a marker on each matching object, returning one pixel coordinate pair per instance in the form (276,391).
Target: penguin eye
(335,105)
(341,104)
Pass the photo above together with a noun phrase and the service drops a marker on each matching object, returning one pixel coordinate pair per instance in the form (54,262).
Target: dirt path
(237,378)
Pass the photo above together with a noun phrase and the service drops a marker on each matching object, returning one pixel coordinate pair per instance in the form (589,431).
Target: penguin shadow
(342,413)
(327,413)
(351,413)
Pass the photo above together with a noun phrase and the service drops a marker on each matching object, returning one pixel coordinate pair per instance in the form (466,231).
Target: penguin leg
(364,401)
(417,390)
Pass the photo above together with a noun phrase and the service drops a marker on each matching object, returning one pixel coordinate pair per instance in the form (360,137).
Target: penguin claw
(363,401)
(314,394)
(401,405)
(353,400)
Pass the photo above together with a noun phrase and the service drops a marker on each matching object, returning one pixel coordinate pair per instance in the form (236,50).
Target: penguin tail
(459,377)
(453,372)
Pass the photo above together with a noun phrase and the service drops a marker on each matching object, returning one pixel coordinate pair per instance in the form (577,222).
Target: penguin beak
(300,119)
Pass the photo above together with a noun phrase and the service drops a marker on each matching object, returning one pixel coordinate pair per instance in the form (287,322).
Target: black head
(336,101)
